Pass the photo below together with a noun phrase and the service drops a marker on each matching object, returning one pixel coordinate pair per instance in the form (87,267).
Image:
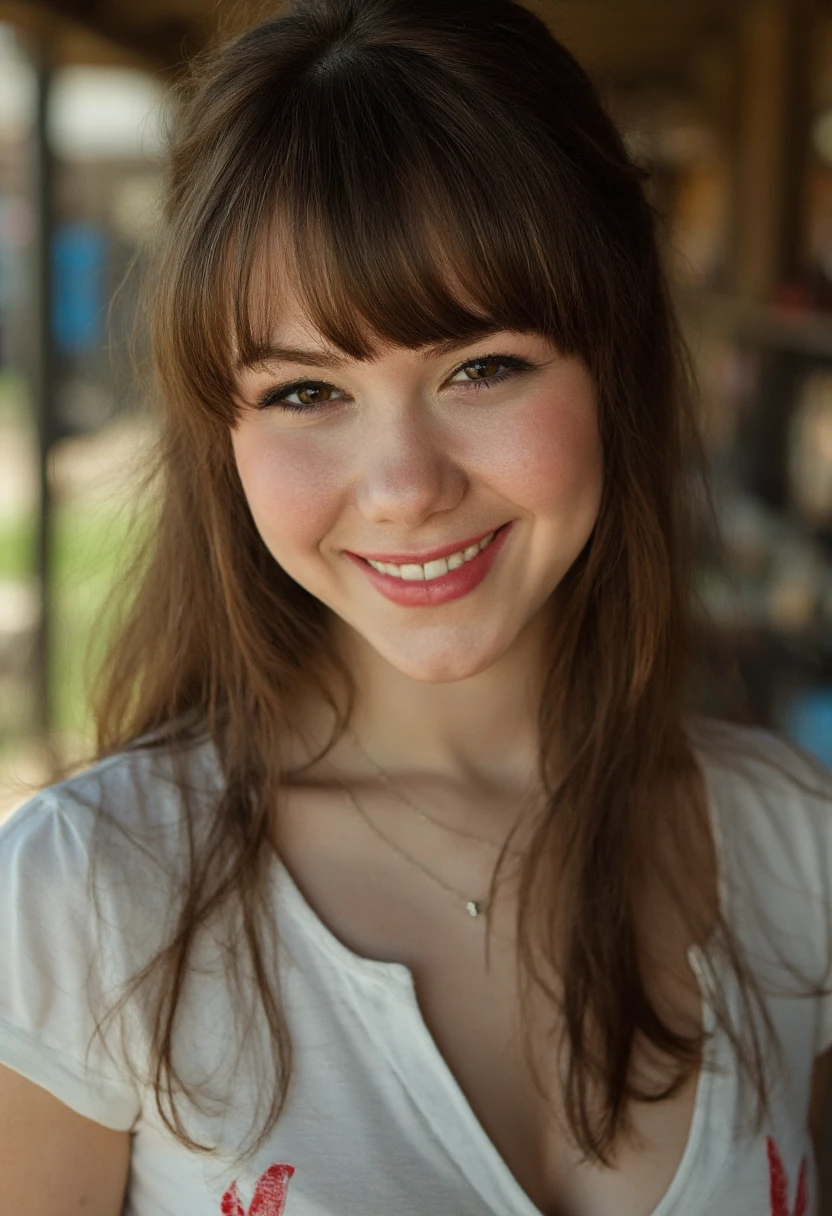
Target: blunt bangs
(401,214)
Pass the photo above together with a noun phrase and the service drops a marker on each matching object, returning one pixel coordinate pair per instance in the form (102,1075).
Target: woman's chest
(506,1067)
(484,1081)
(410,1093)
(469,1007)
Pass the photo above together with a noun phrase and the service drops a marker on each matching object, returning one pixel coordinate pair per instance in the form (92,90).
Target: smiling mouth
(448,574)
(414,572)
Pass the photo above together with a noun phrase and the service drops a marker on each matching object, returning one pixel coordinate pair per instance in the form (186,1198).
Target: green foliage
(17,547)
(91,541)
(14,398)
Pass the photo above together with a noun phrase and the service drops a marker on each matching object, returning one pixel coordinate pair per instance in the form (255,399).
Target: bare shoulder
(53,1159)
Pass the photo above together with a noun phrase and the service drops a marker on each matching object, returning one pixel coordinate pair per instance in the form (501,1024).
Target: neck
(480,732)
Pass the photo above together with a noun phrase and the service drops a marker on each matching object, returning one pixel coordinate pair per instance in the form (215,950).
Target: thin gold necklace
(402,797)
(474,907)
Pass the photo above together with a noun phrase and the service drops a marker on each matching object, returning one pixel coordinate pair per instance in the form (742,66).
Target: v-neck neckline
(432,1085)
(414,1056)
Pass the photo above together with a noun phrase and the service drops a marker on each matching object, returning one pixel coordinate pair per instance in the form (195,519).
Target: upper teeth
(414,572)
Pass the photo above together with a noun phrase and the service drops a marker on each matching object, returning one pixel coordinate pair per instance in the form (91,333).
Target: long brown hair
(424,169)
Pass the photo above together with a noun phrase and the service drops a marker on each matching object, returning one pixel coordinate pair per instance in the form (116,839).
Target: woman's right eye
(311,394)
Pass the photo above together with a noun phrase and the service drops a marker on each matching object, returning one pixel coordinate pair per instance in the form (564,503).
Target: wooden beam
(612,38)
(772,143)
(627,39)
(163,44)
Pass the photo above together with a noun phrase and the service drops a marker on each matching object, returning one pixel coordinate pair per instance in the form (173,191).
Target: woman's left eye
(487,367)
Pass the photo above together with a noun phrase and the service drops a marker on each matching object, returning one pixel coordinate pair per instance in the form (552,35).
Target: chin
(440,668)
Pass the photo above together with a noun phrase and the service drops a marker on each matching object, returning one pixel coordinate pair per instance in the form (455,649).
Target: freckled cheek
(293,492)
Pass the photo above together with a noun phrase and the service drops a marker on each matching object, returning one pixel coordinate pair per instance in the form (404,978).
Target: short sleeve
(772,814)
(824,1035)
(794,815)
(52,965)
(810,820)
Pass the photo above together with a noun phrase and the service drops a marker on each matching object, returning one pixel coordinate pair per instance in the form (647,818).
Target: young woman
(406,880)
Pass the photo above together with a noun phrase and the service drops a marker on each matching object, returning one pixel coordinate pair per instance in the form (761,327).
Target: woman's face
(410,461)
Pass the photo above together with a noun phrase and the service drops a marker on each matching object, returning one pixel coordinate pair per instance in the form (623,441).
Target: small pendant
(474,907)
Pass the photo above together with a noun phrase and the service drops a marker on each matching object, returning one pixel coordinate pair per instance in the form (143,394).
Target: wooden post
(773,135)
(43,380)
(773,131)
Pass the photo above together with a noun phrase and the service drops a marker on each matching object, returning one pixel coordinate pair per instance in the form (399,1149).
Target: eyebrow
(271,353)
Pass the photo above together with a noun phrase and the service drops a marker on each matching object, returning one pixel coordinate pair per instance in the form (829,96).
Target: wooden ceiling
(618,40)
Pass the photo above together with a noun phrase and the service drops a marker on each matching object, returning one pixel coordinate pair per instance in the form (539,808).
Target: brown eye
(485,369)
(311,395)
(314,394)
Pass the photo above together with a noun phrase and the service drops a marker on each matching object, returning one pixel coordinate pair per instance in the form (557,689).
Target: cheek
(291,489)
(550,460)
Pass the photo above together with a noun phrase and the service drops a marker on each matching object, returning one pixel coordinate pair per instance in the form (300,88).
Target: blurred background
(728,104)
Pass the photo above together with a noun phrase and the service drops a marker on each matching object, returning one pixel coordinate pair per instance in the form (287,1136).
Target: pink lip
(419,559)
(433,592)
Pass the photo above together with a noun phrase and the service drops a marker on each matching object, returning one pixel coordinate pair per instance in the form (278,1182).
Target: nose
(408,470)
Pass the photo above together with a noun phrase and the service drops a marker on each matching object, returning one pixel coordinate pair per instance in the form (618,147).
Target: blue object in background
(809,721)
(79,259)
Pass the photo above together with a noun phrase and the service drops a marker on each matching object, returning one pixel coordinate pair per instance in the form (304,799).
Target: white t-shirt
(375,1123)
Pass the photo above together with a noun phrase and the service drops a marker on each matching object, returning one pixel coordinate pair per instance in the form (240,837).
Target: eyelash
(275,397)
